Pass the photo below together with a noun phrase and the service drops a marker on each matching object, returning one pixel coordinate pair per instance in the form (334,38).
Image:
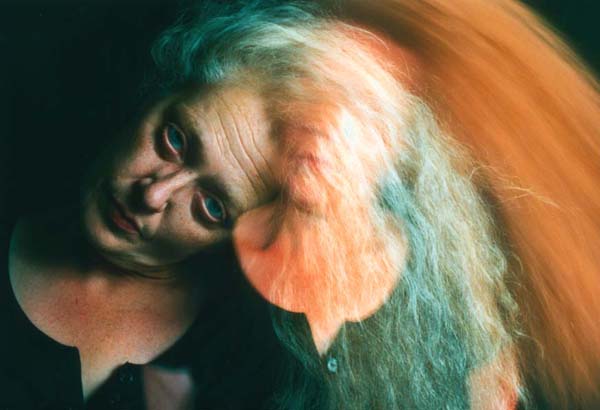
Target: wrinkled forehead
(232,140)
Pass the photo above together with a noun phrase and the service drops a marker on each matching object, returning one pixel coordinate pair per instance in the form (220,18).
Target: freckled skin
(235,140)
(83,300)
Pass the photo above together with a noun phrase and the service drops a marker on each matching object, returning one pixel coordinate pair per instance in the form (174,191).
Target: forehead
(232,143)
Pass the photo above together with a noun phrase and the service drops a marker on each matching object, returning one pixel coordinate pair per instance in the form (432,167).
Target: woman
(405,270)
(88,299)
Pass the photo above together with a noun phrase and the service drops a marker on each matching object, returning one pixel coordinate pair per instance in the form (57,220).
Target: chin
(112,248)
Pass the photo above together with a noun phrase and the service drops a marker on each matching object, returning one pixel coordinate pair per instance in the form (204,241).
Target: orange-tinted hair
(503,84)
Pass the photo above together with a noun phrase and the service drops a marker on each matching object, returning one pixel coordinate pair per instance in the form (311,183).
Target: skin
(86,296)
(89,300)
(227,144)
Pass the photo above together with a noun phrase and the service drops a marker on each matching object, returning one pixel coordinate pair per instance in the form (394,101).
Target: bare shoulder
(111,319)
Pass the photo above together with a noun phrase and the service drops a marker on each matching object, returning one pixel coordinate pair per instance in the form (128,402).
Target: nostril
(153,195)
(160,208)
(147,196)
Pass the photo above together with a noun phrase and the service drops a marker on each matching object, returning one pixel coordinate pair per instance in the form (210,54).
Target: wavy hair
(438,174)
(504,84)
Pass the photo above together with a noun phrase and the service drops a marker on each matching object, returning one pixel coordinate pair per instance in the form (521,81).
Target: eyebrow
(212,183)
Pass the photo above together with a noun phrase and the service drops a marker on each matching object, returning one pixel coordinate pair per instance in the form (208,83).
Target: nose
(157,192)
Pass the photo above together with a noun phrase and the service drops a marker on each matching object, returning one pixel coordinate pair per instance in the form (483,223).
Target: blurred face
(176,184)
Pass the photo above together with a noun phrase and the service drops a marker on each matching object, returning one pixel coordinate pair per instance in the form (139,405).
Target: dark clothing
(230,349)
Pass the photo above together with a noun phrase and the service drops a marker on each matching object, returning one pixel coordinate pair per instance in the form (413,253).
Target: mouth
(121,218)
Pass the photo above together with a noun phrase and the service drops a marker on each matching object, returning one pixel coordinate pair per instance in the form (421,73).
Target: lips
(121,218)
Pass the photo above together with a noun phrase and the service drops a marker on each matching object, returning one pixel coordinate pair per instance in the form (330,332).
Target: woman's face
(176,184)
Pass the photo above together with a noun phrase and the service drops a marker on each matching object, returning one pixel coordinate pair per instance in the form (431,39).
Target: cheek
(132,158)
(131,153)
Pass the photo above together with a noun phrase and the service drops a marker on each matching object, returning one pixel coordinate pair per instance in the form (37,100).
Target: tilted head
(374,216)
(176,182)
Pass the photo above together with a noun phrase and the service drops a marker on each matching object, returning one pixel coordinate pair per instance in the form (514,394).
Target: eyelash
(201,209)
(172,153)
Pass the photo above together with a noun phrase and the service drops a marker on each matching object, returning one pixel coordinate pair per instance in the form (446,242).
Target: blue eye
(212,208)
(175,140)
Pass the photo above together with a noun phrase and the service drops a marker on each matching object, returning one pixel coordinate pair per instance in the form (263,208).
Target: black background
(66,66)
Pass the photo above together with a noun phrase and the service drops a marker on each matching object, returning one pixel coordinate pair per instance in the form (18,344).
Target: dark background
(66,68)
(66,76)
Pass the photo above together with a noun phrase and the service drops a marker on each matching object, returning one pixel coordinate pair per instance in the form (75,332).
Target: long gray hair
(450,314)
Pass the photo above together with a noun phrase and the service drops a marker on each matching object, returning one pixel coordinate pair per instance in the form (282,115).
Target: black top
(231,350)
